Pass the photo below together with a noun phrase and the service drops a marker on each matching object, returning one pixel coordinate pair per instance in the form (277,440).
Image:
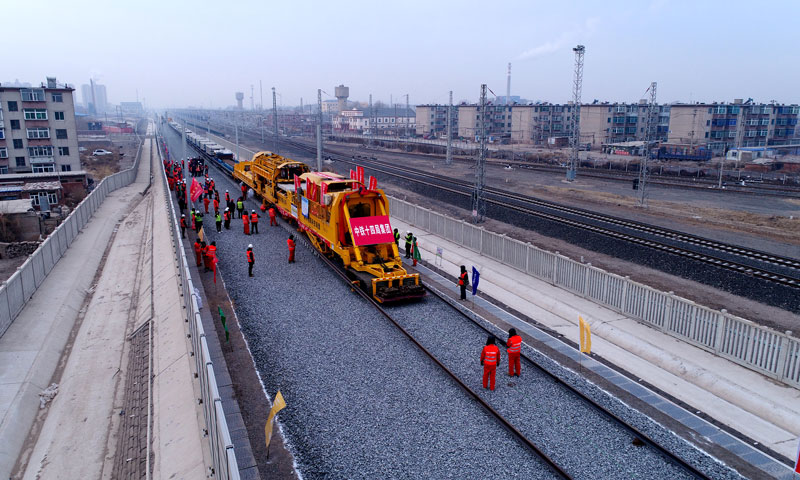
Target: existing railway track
(505,200)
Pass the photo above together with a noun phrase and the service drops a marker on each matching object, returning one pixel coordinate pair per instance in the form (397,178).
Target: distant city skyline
(696,51)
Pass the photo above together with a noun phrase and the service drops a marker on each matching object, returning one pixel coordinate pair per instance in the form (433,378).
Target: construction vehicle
(341,218)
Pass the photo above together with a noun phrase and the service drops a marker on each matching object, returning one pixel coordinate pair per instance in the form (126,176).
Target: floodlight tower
(651,136)
(478,202)
(577,86)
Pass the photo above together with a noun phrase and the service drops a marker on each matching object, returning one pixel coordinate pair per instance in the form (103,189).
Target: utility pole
(252,98)
(478,202)
(261,95)
(319,130)
(183,134)
(577,85)
(371,125)
(408,122)
(275,147)
(651,129)
(236,129)
(449,158)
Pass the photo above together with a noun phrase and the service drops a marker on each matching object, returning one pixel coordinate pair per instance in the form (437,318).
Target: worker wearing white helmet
(254,222)
(250,259)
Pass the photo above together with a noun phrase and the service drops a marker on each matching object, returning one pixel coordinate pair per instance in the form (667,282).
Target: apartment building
(431,120)
(721,126)
(397,121)
(604,123)
(497,122)
(38,131)
(38,143)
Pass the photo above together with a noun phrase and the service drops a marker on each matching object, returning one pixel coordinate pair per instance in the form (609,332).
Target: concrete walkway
(746,401)
(75,332)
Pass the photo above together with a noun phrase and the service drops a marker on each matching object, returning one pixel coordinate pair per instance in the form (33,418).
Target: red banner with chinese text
(373,183)
(360,174)
(371,230)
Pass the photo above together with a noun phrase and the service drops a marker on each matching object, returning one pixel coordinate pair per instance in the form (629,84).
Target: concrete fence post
(625,288)
(783,355)
(555,266)
(719,335)
(586,269)
(668,311)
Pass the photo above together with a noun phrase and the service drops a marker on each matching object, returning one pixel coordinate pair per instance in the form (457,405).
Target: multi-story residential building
(39,144)
(97,102)
(431,120)
(497,122)
(39,133)
(721,126)
(605,123)
(397,121)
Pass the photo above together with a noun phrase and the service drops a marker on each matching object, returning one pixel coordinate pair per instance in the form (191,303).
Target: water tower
(239,98)
(342,93)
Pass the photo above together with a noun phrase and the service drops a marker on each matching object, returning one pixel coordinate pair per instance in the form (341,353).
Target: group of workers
(490,357)
(205,254)
(412,250)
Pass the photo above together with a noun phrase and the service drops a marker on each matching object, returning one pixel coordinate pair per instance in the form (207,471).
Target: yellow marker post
(277,405)
(586,341)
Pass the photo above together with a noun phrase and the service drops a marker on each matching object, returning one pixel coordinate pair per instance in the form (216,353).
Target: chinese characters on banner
(324,188)
(373,183)
(297,183)
(371,230)
(360,174)
(352,174)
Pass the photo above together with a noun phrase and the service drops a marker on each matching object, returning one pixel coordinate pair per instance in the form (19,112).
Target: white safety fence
(742,341)
(20,287)
(223,455)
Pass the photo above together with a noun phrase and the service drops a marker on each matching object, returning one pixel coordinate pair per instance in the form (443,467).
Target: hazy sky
(180,53)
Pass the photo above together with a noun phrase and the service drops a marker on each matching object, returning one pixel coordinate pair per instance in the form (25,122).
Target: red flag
(195,190)
(360,173)
(324,188)
(297,183)
(352,174)
(373,183)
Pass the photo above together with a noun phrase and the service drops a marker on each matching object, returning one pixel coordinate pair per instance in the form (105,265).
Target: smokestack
(508,86)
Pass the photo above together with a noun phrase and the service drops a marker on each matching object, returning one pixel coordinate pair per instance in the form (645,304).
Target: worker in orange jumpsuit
(244,191)
(272,221)
(246,224)
(290,243)
(254,222)
(206,201)
(514,348)
(183,226)
(227,197)
(211,254)
(250,259)
(226,217)
(216,206)
(490,355)
(206,264)
(191,216)
(463,282)
(198,251)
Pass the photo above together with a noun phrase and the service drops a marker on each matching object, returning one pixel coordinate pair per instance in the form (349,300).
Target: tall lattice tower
(651,137)
(577,86)
(478,202)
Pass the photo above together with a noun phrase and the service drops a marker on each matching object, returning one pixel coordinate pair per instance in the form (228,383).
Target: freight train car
(342,219)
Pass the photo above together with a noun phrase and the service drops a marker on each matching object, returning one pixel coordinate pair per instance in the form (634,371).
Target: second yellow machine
(341,217)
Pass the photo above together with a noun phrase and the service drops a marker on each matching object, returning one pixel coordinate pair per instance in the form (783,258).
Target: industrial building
(95,99)
(395,121)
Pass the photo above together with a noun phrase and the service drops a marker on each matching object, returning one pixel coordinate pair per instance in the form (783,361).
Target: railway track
(694,248)
(633,435)
(465,189)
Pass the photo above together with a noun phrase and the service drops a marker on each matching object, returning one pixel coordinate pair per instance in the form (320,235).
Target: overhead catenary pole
(275,146)
(449,157)
(371,125)
(408,122)
(577,85)
(236,129)
(261,95)
(319,130)
(651,128)
(478,202)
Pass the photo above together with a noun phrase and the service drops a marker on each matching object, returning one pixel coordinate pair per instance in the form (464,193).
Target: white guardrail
(222,453)
(742,341)
(20,287)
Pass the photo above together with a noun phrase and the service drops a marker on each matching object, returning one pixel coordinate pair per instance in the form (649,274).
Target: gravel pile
(363,402)
(574,434)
